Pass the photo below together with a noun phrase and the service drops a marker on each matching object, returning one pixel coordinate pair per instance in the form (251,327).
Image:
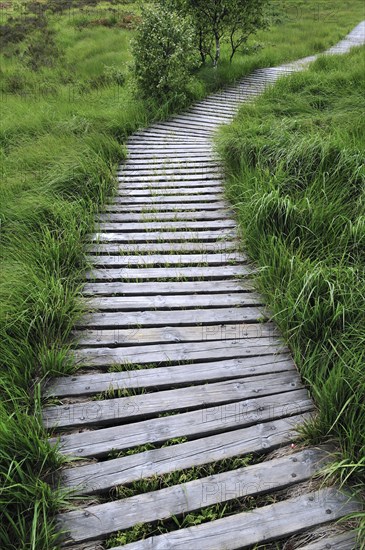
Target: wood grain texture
(118,260)
(145,303)
(158,288)
(101,520)
(261,525)
(166,334)
(158,273)
(165,377)
(205,317)
(200,247)
(165,353)
(114,411)
(195,424)
(102,476)
(220,236)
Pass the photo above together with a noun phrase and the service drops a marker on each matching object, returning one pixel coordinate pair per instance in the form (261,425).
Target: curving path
(181,362)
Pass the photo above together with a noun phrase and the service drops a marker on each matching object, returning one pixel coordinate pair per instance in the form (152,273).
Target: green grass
(63,126)
(295,166)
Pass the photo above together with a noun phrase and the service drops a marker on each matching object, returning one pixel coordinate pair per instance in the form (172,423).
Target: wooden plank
(170,248)
(260,525)
(188,131)
(189,135)
(145,217)
(161,191)
(217,102)
(189,126)
(199,178)
(344,541)
(102,519)
(166,226)
(204,116)
(169,138)
(202,111)
(164,377)
(165,236)
(168,164)
(180,207)
(207,421)
(185,131)
(114,411)
(133,170)
(143,154)
(206,122)
(145,303)
(188,273)
(167,334)
(148,260)
(260,438)
(171,318)
(221,108)
(173,148)
(148,289)
(168,160)
(173,199)
(178,193)
(165,183)
(166,353)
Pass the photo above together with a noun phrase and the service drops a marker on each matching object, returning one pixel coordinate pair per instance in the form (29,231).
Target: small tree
(217,20)
(164,54)
(245,19)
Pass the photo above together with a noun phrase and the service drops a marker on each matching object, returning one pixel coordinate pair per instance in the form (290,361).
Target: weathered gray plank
(162,353)
(172,318)
(143,156)
(183,120)
(145,303)
(344,541)
(103,519)
(174,148)
(262,437)
(159,137)
(203,116)
(165,236)
(134,171)
(160,181)
(199,247)
(207,421)
(188,134)
(146,217)
(164,377)
(113,411)
(261,525)
(187,126)
(168,162)
(164,335)
(167,191)
(173,199)
(128,274)
(180,207)
(156,288)
(118,260)
(180,160)
(202,111)
(167,226)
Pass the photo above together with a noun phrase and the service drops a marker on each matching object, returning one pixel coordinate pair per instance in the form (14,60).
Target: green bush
(164,55)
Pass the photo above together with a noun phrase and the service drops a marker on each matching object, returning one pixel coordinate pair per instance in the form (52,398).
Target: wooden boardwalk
(181,365)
